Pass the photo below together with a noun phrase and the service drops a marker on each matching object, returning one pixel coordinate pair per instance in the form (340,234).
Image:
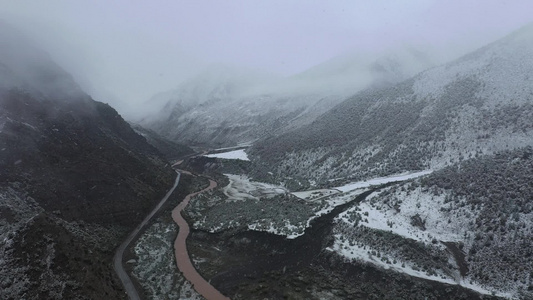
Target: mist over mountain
(272,150)
(24,65)
(351,72)
(74,177)
(464,108)
(215,83)
(226,106)
(470,120)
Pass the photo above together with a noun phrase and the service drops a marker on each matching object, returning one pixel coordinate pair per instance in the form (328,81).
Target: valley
(392,170)
(183,260)
(272,249)
(444,225)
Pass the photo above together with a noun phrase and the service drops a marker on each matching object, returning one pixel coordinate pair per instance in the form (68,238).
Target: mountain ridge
(74,177)
(224,119)
(457,110)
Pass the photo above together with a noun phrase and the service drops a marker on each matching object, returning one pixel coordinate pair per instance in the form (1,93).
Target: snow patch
(235,154)
(375,214)
(381,180)
(355,252)
(315,194)
(288,230)
(241,188)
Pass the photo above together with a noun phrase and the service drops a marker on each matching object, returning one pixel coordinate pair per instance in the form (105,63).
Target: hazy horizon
(124,52)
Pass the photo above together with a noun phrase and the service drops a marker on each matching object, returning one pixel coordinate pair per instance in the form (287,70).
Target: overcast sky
(125,51)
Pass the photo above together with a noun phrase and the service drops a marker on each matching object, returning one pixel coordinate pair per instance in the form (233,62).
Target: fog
(123,52)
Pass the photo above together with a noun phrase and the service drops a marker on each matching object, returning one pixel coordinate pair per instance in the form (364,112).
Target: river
(183,260)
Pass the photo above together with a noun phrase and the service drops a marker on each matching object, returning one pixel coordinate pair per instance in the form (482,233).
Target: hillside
(227,106)
(479,212)
(478,104)
(169,149)
(74,178)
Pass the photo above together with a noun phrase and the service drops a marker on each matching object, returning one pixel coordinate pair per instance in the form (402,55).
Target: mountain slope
(470,221)
(478,212)
(87,147)
(478,104)
(224,107)
(168,148)
(74,178)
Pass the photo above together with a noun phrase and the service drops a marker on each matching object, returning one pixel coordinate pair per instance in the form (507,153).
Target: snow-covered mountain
(479,104)
(353,71)
(471,121)
(216,82)
(227,106)
(478,213)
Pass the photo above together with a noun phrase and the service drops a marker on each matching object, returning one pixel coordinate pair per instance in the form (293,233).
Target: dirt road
(119,254)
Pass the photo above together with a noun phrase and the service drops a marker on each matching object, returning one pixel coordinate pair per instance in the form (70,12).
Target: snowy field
(318,202)
(243,145)
(257,205)
(438,224)
(381,180)
(355,252)
(379,216)
(337,199)
(331,198)
(288,230)
(235,154)
(322,200)
(155,267)
(377,212)
(241,188)
(321,207)
(315,194)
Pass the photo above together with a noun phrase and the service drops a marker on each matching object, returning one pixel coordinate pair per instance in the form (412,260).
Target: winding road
(182,255)
(183,260)
(119,255)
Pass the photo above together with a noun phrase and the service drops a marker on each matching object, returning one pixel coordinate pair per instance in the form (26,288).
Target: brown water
(182,255)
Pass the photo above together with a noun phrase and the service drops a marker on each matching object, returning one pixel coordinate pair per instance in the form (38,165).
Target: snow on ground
(241,188)
(235,154)
(292,231)
(393,211)
(288,230)
(315,194)
(355,252)
(439,224)
(336,200)
(343,194)
(381,180)
(155,267)
(241,145)
(188,292)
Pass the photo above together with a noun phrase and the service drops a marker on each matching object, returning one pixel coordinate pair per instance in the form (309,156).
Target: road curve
(182,255)
(118,258)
